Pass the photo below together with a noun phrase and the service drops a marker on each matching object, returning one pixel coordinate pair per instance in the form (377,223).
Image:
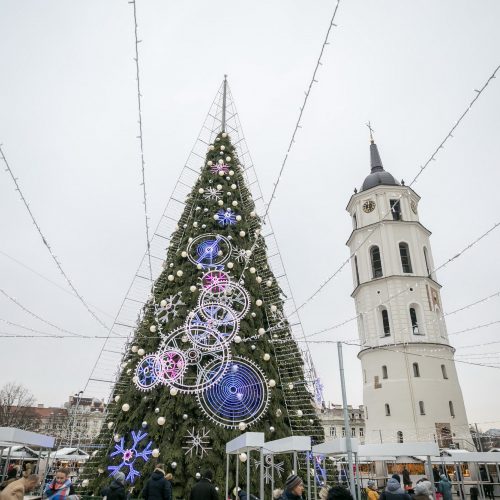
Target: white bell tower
(411,389)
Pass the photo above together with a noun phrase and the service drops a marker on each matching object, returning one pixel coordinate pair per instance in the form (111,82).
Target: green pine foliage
(182,412)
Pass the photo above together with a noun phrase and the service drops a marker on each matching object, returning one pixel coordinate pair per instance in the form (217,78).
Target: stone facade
(332,419)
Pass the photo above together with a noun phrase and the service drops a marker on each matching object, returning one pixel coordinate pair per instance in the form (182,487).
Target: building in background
(332,419)
(411,390)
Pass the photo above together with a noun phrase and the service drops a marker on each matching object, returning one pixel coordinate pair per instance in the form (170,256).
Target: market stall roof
(246,442)
(10,436)
(335,447)
(20,453)
(453,456)
(288,445)
(70,454)
(398,449)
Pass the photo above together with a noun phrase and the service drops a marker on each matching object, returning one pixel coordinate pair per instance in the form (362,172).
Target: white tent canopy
(20,453)
(70,454)
(11,436)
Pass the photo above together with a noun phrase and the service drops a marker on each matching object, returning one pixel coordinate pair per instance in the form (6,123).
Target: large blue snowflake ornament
(129,456)
(226,217)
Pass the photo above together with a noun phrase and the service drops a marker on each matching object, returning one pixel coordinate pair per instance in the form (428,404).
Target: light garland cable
(141,141)
(47,245)
(298,123)
(11,323)
(410,288)
(65,290)
(422,168)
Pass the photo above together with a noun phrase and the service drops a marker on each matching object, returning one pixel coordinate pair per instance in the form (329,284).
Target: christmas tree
(213,354)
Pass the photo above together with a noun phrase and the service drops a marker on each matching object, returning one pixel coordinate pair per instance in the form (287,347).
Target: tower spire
(224,94)
(375,161)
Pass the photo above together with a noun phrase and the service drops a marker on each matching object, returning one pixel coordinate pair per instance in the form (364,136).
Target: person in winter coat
(294,487)
(421,491)
(116,490)
(17,489)
(157,487)
(204,489)
(243,495)
(406,477)
(371,491)
(393,491)
(339,493)
(11,477)
(444,487)
(277,494)
(60,487)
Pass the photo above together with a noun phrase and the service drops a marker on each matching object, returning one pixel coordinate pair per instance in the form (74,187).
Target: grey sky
(68,122)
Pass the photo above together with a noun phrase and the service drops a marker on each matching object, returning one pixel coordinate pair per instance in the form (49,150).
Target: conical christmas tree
(213,354)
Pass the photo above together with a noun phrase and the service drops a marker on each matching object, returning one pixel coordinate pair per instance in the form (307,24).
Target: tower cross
(369,125)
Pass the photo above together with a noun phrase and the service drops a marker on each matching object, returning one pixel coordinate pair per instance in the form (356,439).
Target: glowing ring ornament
(215,281)
(145,375)
(209,250)
(170,365)
(233,296)
(196,359)
(240,396)
(213,319)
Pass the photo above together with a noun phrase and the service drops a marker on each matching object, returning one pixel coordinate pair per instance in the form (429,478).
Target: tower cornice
(387,221)
(382,279)
(375,189)
(395,346)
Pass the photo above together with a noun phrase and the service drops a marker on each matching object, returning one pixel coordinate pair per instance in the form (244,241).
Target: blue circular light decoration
(209,250)
(146,373)
(240,396)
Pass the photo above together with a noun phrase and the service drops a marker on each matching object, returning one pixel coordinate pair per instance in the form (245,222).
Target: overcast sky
(68,122)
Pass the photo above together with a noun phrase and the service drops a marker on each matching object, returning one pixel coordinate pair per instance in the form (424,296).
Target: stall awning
(11,436)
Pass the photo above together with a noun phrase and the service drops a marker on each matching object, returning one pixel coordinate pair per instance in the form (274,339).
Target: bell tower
(411,390)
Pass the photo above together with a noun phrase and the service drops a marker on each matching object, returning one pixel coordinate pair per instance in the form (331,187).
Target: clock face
(368,206)
(413,207)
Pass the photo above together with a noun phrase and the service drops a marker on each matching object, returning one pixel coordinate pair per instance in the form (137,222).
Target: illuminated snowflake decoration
(129,456)
(209,251)
(268,466)
(169,311)
(212,193)
(197,442)
(226,217)
(215,281)
(241,255)
(320,470)
(215,169)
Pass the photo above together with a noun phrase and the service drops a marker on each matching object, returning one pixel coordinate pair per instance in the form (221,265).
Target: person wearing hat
(157,487)
(116,490)
(294,487)
(444,487)
(393,491)
(204,488)
(243,495)
(371,490)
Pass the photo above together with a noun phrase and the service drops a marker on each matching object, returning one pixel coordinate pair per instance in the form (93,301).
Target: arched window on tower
(443,371)
(414,321)
(404,253)
(354,222)
(416,370)
(356,269)
(421,407)
(452,410)
(396,209)
(384,371)
(399,436)
(388,410)
(426,258)
(376,262)
(386,327)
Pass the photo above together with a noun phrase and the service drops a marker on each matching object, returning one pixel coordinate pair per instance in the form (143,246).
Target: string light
(46,243)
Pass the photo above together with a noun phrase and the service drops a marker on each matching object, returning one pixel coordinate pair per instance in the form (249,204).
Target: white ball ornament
(252,214)
(220,203)
(235,203)
(222,148)
(173,391)
(135,378)
(311,421)
(221,173)
(141,352)
(258,302)
(125,407)
(201,190)
(252,347)
(231,173)
(161,420)
(242,233)
(199,266)
(272,383)
(195,224)
(111,425)
(211,147)
(156,453)
(242,426)
(230,265)
(179,273)
(152,328)
(233,186)
(134,348)
(262,331)
(85,483)
(290,386)
(190,240)
(258,279)
(192,288)
(129,371)
(219,186)
(274,308)
(170,277)
(269,283)
(279,413)
(252,270)
(172,264)
(266,357)
(243,457)
(184,254)
(238,218)
(216,217)
(163,303)
(185,417)
(271,429)
(224,134)
(228,158)
(116,438)
(253,314)
(100,470)
(203,226)
(197,475)
(173,465)
(237,339)
(144,424)
(299,413)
